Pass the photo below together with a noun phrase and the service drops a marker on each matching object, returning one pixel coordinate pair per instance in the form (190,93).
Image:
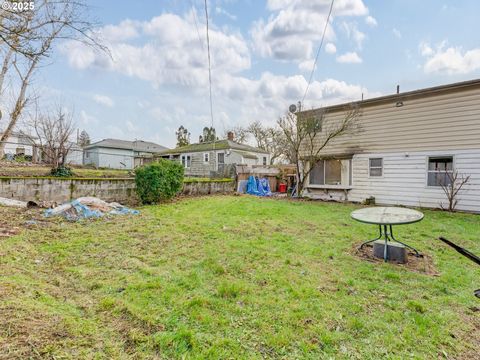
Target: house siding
(109,158)
(404,179)
(200,168)
(447,121)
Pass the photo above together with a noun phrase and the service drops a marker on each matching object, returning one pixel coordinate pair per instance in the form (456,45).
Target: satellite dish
(292,108)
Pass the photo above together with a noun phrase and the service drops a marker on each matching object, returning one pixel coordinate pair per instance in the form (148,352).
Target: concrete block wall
(119,190)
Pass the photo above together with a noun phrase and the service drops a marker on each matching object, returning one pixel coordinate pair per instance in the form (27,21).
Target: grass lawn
(31,170)
(235,277)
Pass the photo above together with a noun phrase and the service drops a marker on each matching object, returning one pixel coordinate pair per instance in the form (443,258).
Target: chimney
(230,135)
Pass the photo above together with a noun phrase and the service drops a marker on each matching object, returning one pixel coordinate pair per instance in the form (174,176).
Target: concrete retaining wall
(120,190)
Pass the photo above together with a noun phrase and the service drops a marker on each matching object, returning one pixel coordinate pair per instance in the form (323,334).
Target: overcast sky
(262,55)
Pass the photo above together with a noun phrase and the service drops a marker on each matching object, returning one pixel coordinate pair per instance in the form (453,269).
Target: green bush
(61,171)
(158,181)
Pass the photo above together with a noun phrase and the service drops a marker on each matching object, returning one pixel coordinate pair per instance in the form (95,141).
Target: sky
(262,55)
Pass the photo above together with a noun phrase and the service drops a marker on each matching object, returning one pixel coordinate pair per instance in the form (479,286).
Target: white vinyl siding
(404,180)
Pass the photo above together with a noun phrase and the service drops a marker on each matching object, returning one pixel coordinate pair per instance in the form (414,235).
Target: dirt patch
(26,335)
(423,264)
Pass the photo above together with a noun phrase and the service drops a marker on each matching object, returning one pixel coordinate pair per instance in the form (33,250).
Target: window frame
(428,171)
(370,167)
(264,161)
(184,161)
(325,175)
(206,158)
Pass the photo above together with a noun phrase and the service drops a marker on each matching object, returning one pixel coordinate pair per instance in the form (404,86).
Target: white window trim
(427,161)
(207,156)
(341,186)
(375,167)
(184,156)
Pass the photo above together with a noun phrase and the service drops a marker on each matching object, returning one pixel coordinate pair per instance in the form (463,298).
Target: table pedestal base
(386,232)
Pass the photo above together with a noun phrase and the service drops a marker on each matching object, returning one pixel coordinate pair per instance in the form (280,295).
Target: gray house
(120,154)
(204,159)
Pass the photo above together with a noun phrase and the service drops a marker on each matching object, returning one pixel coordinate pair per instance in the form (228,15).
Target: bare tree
(271,139)
(455,182)
(308,133)
(241,134)
(53,132)
(27,38)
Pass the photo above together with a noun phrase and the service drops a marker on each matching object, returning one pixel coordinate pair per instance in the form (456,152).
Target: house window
(326,172)
(186,161)
(440,169)
(206,157)
(375,167)
(264,160)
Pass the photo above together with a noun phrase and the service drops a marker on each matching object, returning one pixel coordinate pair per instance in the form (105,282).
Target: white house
(119,154)
(407,145)
(206,158)
(18,143)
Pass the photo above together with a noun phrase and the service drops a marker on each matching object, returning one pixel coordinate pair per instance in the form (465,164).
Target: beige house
(406,144)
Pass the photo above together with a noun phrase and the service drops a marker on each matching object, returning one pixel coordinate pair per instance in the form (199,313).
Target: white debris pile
(17,203)
(89,207)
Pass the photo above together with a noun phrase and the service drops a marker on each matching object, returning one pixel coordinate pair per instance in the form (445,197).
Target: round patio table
(385,218)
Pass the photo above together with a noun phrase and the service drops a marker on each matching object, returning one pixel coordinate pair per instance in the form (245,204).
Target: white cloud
(169,52)
(371,21)
(330,48)
(425,49)
(352,32)
(306,65)
(221,11)
(349,58)
(103,100)
(87,119)
(451,60)
(294,30)
(397,33)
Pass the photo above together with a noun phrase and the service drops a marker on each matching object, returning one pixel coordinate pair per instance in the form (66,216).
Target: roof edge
(401,96)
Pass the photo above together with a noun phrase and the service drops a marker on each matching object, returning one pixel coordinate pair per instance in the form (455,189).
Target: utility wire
(209,65)
(318,51)
(196,25)
(210,88)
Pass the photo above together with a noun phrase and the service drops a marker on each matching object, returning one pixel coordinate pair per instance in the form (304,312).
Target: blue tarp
(86,208)
(258,187)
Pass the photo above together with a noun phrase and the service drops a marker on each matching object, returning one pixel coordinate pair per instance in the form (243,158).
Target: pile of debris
(89,207)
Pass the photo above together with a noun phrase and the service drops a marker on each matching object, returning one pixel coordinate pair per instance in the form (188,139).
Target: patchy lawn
(11,168)
(235,277)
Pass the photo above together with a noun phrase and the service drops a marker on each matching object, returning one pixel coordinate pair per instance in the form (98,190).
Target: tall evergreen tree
(183,136)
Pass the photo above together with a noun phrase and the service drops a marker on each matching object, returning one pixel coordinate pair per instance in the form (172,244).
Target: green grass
(235,277)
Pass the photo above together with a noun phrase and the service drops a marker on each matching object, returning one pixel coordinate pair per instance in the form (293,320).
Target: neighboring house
(75,155)
(204,159)
(406,143)
(18,143)
(119,154)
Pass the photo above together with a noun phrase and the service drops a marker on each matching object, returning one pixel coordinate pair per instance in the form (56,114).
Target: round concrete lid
(387,215)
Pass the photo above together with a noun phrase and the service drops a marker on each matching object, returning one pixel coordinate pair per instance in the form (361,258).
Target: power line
(209,65)
(196,24)
(318,51)
(210,88)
